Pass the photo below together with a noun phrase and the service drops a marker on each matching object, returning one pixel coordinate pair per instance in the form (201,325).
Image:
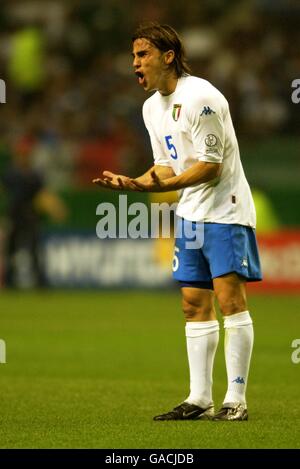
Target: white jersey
(194,124)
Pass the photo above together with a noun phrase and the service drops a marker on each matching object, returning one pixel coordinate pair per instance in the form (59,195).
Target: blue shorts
(225,248)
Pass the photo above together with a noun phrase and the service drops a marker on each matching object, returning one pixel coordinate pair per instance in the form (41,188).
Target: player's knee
(231,304)
(194,312)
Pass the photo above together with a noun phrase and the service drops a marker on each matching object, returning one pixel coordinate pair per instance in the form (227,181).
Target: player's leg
(232,254)
(202,336)
(202,331)
(231,295)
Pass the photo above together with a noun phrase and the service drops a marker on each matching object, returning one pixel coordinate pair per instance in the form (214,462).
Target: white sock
(202,340)
(238,348)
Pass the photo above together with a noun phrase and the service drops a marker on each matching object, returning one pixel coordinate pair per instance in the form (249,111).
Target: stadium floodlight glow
(132,221)
(2,92)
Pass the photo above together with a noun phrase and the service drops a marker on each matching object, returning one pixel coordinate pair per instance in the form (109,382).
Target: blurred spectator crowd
(74,105)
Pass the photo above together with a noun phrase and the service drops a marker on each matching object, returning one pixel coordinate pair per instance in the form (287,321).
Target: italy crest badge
(176,112)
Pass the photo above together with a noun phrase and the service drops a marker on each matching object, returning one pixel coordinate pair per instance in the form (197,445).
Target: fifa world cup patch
(176,111)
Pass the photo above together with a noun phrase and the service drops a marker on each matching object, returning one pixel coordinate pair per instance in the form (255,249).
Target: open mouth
(141,77)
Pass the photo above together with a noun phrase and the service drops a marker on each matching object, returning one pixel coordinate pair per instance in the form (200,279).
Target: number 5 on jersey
(171,147)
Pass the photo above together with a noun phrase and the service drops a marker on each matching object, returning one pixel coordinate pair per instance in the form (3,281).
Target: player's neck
(168,85)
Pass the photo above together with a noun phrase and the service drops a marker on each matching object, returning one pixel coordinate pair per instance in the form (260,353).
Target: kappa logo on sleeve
(207,111)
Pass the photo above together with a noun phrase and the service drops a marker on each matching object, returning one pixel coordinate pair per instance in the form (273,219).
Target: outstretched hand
(153,183)
(116,182)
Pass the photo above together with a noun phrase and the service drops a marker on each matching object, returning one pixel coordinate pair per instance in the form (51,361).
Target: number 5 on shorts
(175,259)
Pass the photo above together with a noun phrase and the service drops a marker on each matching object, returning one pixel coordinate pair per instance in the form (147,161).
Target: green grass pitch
(90,369)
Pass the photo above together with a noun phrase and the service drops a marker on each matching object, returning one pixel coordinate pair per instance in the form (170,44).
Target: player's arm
(163,172)
(199,173)
(120,182)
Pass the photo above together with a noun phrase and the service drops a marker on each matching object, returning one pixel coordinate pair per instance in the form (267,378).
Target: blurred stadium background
(73,109)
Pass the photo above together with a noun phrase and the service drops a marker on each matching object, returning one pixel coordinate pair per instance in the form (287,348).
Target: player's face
(149,65)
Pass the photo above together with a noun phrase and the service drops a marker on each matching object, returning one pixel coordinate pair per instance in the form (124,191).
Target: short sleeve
(207,131)
(159,156)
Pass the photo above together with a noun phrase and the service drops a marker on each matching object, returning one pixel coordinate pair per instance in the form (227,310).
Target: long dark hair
(165,38)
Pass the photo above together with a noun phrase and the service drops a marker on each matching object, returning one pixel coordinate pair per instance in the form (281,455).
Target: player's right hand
(116,182)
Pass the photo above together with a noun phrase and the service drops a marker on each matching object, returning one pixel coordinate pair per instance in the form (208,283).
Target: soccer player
(196,152)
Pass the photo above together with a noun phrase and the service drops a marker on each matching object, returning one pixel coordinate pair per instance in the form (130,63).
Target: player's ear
(169,57)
